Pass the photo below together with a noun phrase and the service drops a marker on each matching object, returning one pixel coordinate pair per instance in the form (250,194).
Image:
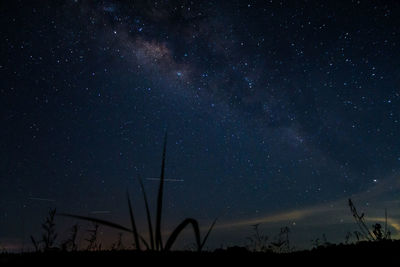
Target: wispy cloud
(373,202)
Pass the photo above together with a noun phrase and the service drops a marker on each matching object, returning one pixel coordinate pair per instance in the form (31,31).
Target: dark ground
(382,253)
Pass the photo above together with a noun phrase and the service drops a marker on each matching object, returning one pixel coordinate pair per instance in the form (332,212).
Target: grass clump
(377,233)
(155,237)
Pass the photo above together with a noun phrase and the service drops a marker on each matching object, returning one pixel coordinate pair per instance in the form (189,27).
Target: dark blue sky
(277,112)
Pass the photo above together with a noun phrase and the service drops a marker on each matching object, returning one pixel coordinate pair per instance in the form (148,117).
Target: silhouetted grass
(262,250)
(156,242)
(49,236)
(376,234)
(70,243)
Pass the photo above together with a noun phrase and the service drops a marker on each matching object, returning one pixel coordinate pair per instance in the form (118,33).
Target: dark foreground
(361,253)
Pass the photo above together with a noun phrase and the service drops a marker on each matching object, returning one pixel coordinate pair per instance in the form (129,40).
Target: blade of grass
(159,245)
(172,238)
(208,233)
(134,230)
(95,220)
(147,213)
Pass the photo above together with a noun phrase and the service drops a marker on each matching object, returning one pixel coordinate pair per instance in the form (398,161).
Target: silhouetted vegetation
(49,236)
(118,244)
(258,240)
(377,242)
(156,242)
(70,244)
(368,240)
(377,233)
(93,244)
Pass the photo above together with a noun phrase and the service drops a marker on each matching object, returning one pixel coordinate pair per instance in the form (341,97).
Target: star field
(277,112)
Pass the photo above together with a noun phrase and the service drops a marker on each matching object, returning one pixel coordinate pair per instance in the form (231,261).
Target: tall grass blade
(208,233)
(171,240)
(159,245)
(147,213)
(134,229)
(99,221)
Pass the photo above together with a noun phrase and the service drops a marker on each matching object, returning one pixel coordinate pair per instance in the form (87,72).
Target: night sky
(276,111)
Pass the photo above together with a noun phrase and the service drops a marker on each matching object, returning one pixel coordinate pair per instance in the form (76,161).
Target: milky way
(277,111)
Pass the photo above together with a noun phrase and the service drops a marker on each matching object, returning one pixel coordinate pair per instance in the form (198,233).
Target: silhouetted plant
(70,243)
(379,233)
(156,242)
(376,234)
(258,241)
(282,243)
(92,240)
(49,235)
(364,231)
(118,244)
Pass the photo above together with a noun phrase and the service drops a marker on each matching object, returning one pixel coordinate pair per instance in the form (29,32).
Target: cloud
(293,215)
(372,202)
